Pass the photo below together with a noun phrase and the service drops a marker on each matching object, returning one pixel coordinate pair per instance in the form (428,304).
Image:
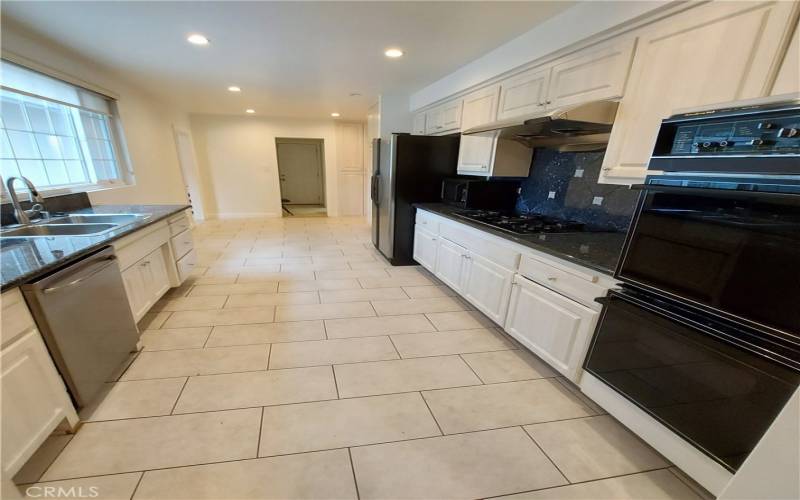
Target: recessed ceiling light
(234,88)
(335,115)
(393,53)
(197,39)
(250,111)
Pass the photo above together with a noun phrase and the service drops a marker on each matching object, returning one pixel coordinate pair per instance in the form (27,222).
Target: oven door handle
(709,191)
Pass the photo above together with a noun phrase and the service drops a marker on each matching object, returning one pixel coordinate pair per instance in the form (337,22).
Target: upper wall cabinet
(524,94)
(599,72)
(716,52)
(788,79)
(596,73)
(444,119)
(350,147)
(476,153)
(418,128)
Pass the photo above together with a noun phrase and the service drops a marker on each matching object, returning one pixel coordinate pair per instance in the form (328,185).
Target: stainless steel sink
(119,219)
(59,230)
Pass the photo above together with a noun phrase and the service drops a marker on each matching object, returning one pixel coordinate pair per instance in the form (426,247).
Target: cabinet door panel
(475,154)
(419,124)
(675,68)
(598,74)
(155,276)
(425,247)
(554,327)
(451,115)
(524,94)
(35,400)
(351,194)
(450,264)
(136,289)
(488,287)
(350,147)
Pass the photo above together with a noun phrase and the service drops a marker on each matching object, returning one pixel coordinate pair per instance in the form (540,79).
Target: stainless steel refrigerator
(406,169)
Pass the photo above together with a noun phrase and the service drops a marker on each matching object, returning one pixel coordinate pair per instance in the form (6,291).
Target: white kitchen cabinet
(595,73)
(351,194)
(450,266)
(35,399)
(146,281)
(488,286)
(418,127)
(717,52)
(524,94)
(425,248)
(476,152)
(555,328)
(444,119)
(788,79)
(350,147)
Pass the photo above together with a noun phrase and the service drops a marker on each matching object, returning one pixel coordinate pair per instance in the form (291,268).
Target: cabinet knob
(548,102)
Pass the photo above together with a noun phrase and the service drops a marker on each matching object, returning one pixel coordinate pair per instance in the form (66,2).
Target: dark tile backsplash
(565,185)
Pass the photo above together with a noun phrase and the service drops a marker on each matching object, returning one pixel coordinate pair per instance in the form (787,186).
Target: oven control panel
(776,134)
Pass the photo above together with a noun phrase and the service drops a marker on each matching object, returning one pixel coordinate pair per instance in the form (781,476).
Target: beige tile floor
(296,363)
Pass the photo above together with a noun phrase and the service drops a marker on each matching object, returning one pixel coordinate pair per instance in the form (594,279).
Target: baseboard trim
(243,215)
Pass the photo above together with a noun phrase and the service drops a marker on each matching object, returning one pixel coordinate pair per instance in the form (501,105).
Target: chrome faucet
(37,209)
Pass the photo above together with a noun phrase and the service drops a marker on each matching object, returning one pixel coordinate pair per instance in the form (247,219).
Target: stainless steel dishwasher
(83,314)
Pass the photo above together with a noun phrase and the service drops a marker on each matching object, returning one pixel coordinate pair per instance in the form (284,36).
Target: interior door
(190,172)
(300,170)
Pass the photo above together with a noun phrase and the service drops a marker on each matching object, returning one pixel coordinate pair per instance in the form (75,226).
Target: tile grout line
(471,368)
(135,488)
(431,412)
(353,469)
(335,383)
(180,393)
(395,347)
(260,429)
(545,453)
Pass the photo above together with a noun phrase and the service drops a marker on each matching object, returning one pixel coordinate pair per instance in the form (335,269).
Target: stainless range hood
(580,127)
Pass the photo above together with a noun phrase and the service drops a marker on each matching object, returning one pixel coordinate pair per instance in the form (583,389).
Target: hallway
(297,363)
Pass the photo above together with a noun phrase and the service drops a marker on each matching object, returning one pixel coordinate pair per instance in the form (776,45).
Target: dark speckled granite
(596,250)
(564,186)
(24,259)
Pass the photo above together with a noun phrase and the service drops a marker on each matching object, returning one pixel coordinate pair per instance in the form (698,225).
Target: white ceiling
(290,58)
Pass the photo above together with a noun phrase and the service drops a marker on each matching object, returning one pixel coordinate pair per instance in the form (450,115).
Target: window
(60,136)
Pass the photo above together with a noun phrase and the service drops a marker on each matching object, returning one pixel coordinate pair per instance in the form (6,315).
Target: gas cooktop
(522,223)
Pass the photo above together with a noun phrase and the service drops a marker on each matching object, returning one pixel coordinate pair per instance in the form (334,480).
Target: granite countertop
(23,259)
(596,250)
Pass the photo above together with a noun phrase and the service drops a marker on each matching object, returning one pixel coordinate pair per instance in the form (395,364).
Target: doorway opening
(301,170)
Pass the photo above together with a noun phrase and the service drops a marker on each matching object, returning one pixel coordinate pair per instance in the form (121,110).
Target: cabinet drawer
(179,224)
(480,244)
(428,221)
(186,265)
(135,247)
(575,284)
(16,318)
(182,244)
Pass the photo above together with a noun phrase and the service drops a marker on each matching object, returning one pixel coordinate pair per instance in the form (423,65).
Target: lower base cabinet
(425,249)
(555,328)
(488,287)
(35,400)
(450,264)
(146,281)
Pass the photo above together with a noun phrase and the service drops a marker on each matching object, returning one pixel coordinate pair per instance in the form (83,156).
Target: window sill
(49,193)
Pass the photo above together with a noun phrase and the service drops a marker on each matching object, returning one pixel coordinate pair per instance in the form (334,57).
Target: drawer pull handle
(551,278)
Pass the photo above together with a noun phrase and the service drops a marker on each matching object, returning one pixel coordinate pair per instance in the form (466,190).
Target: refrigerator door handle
(376,189)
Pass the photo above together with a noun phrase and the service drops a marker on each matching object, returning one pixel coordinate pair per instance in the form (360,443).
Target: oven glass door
(735,252)
(716,395)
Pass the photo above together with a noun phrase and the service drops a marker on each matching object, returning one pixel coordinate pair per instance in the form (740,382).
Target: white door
(524,94)
(351,194)
(190,171)
(488,287)
(599,73)
(554,327)
(350,147)
(425,249)
(300,169)
(450,264)
(717,52)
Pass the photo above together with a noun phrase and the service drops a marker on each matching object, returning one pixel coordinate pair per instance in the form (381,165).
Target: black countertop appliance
(704,334)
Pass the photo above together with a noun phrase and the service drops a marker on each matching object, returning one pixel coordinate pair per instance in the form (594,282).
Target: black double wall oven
(704,334)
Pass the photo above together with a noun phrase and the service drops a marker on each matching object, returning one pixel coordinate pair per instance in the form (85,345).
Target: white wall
(146,121)
(584,20)
(239,164)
